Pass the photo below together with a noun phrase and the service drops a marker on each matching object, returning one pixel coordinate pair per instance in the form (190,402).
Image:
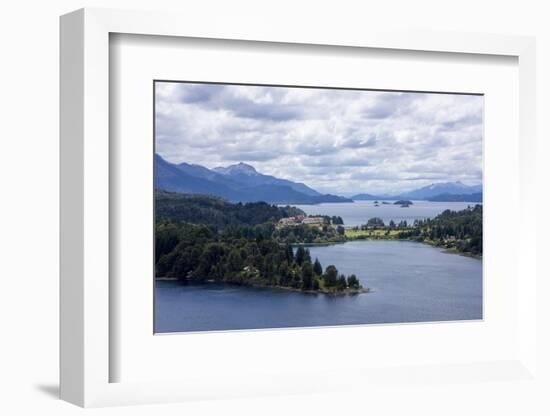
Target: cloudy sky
(336,141)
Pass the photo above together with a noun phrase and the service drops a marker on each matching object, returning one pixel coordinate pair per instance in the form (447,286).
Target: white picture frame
(86,218)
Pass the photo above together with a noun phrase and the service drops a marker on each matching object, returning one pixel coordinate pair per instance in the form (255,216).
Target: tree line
(199,252)
(305,234)
(215,211)
(459,230)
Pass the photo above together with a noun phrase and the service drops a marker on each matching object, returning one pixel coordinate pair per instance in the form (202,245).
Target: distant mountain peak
(239,168)
(455,188)
(242,165)
(238,182)
(451,189)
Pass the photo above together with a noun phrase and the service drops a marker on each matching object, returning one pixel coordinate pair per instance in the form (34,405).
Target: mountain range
(475,197)
(243,183)
(235,183)
(446,191)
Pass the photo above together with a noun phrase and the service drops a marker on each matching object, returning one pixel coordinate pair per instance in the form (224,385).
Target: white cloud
(337,141)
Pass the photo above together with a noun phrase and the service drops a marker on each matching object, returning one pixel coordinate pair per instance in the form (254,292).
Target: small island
(403,203)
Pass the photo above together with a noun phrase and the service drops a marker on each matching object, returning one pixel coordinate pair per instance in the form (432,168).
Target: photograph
(203,199)
(281,206)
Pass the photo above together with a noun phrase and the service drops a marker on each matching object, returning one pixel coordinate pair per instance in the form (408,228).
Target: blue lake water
(410,282)
(359,212)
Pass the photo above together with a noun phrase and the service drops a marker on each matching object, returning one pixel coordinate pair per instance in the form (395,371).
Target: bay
(410,282)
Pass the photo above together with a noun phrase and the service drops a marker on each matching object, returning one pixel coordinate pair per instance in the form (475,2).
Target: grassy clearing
(370,234)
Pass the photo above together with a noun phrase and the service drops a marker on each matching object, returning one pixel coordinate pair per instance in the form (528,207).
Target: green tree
(375,222)
(300,255)
(289,254)
(337,220)
(307,275)
(296,281)
(307,255)
(284,274)
(331,276)
(235,261)
(315,285)
(342,283)
(353,282)
(317,268)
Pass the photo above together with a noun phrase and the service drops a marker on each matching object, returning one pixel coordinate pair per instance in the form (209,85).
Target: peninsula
(206,239)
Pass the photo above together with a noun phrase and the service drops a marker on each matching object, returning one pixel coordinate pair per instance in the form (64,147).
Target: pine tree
(331,276)
(317,268)
(307,275)
(307,256)
(353,282)
(289,254)
(300,255)
(342,284)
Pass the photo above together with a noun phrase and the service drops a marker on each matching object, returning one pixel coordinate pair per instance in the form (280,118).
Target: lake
(359,212)
(410,282)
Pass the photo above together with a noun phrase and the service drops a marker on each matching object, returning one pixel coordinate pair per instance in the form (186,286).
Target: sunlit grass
(351,233)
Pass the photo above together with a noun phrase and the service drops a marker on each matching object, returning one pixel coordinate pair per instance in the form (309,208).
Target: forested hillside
(204,238)
(459,230)
(211,210)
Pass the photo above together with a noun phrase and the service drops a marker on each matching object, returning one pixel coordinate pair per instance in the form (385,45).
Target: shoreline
(346,292)
(381,238)
(460,253)
(329,243)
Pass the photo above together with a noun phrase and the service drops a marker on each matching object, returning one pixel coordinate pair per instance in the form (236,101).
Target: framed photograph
(280,206)
(283,199)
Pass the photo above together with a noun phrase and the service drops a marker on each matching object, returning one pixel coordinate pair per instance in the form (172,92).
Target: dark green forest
(304,234)
(458,230)
(202,238)
(212,210)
